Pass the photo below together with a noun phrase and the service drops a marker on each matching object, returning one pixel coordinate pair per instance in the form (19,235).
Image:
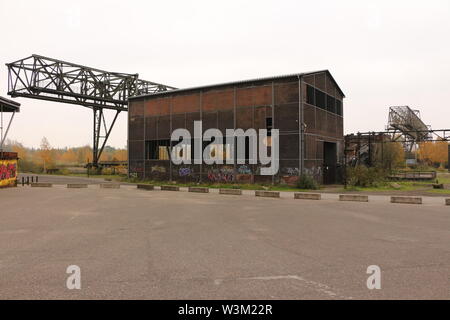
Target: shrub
(361,176)
(64,171)
(307,182)
(29,166)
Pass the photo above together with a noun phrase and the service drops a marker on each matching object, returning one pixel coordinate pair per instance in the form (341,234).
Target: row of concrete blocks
(258,193)
(297,195)
(77,185)
(361,198)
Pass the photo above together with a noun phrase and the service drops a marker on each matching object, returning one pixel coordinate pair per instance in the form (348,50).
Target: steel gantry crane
(44,78)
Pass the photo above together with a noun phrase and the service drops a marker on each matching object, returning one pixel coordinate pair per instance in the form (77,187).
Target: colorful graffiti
(225,174)
(136,170)
(8,173)
(243,169)
(184,172)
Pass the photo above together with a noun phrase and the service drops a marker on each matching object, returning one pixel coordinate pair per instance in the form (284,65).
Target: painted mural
(8,173)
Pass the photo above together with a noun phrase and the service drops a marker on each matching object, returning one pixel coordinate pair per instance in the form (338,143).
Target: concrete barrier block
(268,194)
(41,184)
(447,202)
(406,200)
(110,185)
(235,192)
(307,196)
(170,188)
(198,189)
(77,185)
(353,197)
(146,186)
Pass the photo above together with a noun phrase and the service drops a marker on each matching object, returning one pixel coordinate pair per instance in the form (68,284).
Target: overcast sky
(381,53)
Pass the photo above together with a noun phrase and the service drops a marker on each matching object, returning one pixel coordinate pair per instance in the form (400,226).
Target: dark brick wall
(244,105)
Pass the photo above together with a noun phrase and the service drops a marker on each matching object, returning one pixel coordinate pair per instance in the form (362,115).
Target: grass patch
(404,186)
(113,177)
(443,178)
(221,185)
(439,191)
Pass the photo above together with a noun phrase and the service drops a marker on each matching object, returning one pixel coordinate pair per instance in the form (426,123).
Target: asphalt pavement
(136,244)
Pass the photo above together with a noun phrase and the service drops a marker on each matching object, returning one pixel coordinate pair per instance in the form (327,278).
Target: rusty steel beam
(43,78)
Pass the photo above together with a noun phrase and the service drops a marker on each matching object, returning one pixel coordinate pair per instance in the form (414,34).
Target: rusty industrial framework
(359,147)
(404,126)
(407,126)
(49,79)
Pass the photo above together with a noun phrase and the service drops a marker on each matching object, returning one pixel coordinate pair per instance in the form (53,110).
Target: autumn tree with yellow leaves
(390,155)
(433,153)
(46,157)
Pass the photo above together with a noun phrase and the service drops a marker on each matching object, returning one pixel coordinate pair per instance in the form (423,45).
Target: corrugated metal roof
(9,105)
(239,82)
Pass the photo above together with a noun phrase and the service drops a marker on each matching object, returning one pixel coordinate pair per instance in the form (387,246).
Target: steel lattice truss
(44,78)
(407,122)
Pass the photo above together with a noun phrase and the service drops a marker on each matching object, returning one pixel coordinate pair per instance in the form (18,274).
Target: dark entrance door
(329,162)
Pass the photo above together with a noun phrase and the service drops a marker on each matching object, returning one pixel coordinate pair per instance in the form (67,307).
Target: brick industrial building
(314,148)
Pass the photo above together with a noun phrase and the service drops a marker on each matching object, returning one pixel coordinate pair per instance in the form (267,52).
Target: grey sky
(381,53)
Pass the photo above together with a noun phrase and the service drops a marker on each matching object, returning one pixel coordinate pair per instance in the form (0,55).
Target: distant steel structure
(407,125)
(404,126)
(359,147)
(44,78)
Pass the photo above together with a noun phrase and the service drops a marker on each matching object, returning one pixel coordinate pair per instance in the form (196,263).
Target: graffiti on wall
(8,172)
(287,171)
(184,172)
(244,169)
(136,169)
(225,174)
(159,169)
(315,172)
(290,175)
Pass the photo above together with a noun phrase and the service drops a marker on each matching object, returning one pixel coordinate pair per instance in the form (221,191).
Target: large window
(269,126)
(182,151)
(331,104)
(310,92)
(322,100)
(339,107)
(161,150)
(157,149)
(220,151)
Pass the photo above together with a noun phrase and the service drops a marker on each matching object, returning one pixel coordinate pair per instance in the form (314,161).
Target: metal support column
(99,122)
(3,136)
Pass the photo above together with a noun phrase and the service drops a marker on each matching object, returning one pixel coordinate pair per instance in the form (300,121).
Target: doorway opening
(329,162)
